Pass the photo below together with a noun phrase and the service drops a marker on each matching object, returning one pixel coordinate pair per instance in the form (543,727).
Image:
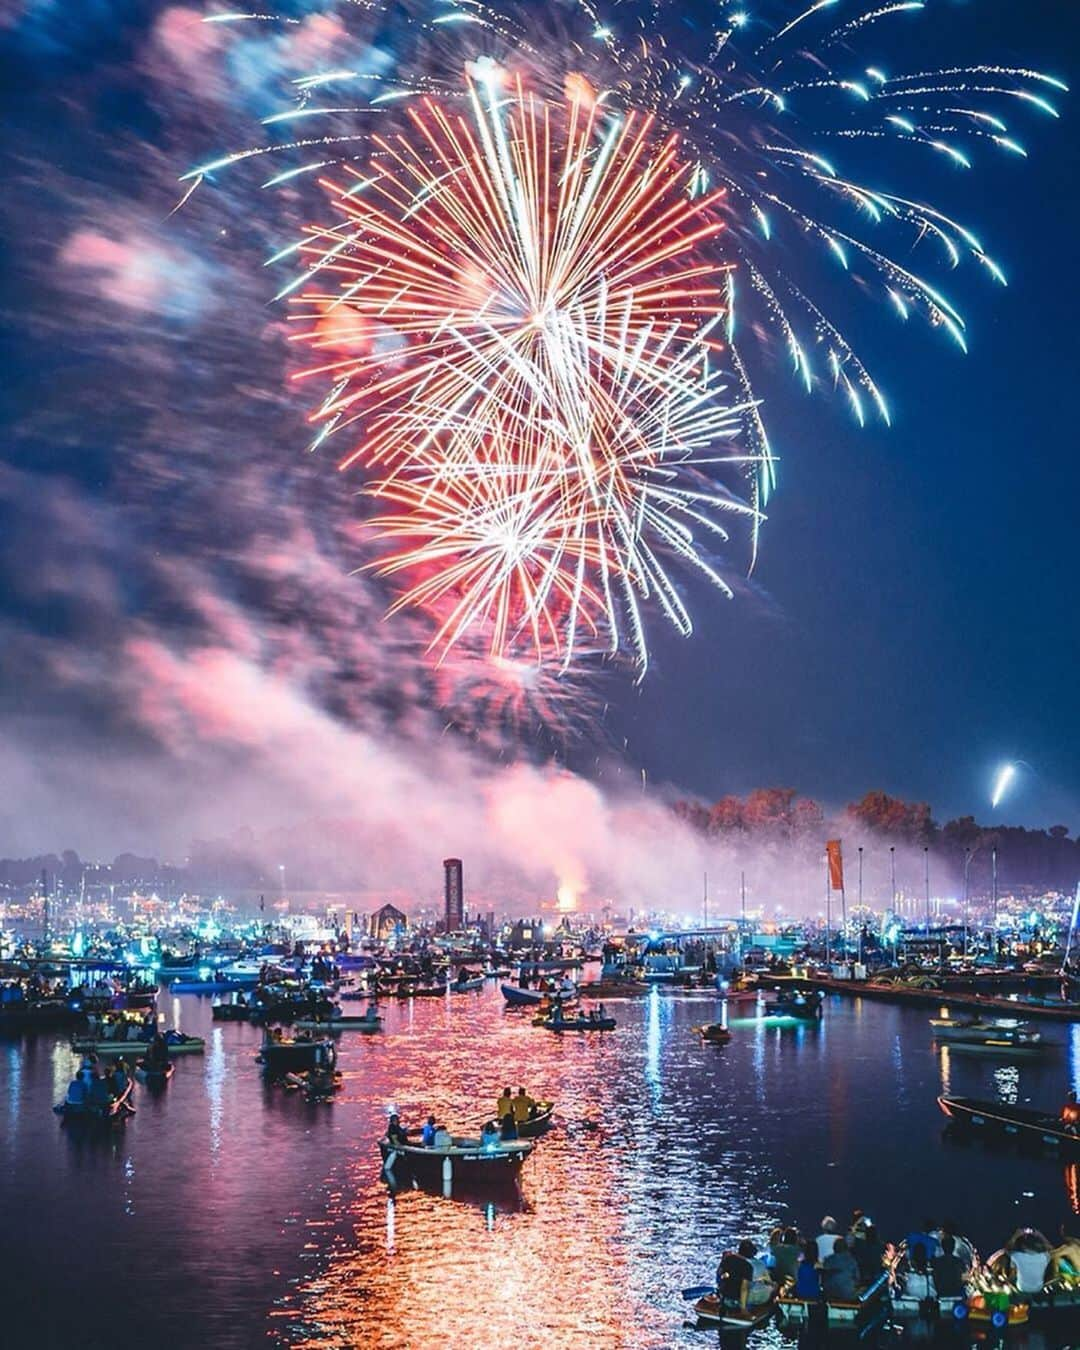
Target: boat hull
(1010,1123)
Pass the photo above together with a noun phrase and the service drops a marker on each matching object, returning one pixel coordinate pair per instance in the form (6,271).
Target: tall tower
(455,895)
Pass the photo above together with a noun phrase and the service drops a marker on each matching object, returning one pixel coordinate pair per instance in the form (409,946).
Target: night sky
(176,608)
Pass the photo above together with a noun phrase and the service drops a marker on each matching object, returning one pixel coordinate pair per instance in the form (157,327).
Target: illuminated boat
(1006,1034)
(465,1159)
(1016,1123)
(802,1007)
(715,1033)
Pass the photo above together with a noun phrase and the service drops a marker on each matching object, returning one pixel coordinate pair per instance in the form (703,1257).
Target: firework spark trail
(493,344)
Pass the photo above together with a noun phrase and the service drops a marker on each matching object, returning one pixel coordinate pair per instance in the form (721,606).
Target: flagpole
(828,912)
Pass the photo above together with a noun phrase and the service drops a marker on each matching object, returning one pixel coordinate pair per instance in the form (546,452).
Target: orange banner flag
(836,864)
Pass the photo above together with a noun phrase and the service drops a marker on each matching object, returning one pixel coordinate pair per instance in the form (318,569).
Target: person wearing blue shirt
(925,1238)
(427,1134)
(807,1280)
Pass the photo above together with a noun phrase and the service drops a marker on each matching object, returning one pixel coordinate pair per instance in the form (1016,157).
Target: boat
(715,1032)
(178,1044)
(1016,1122)
(428,991)
(287,1056)
(803,1007)
(466,986)
(234,1011)
(154,1075)
(614,988)
(343,1023)
(466,1159)
(118,1109)
(539,1123)
(712,1311)
(521,998)
(583,1023)
(1003,1033)
(871,1303)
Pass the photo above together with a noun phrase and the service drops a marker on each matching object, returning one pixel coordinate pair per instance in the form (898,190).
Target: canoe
(1011,1122)
(539,1124)
(185,1045)
(365,1024)
(118,1109)
(715,1033)
(154,1077)
(713,1312)
(580,1024)
(462,1158)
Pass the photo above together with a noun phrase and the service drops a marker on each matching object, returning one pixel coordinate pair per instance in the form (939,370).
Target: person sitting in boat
(742,1278)
(830,1231)
(504,1104)
(918,1279)
(1065,1257)
(784,1251)
(118,1079)
(427,1134)
(840,1274)
(807,1279)
(523,1107)
(948,1270)
(962,1248)
(926,1238)
(100,1091)
(1024,1261)
(396,1132)
(489,1135)
(135,1032)
(76,1093)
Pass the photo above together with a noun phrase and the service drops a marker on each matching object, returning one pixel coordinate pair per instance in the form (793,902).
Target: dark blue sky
(913,619)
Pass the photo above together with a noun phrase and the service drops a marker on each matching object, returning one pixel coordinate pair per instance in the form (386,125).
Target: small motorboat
(154,1075)
(1002,1034)
(468,985)
(97,1112)
(280,1056)
(454,1157)
(614,988)
(428,991)
(715,1033)
(236,1010)
(1017,1123)
(587,1022)
(803,1007)
(870,1304)
(343,1022)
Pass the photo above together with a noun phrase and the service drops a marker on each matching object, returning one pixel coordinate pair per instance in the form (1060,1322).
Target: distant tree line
(1046,858)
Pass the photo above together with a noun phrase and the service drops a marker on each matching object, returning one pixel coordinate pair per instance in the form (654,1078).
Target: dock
(998,1005)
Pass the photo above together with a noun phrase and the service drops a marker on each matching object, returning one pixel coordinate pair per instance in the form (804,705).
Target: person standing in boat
(523,1106)
(504,1104)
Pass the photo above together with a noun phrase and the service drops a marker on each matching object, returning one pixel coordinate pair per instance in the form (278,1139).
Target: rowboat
(463,1158)
(538,1124)
(345,1023)
(154,1075)
(89,1112)
(466,986)
(712,1311)
(1015,1122)
(181,1045)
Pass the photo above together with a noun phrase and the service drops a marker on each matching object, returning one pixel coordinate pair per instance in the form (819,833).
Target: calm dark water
(227,1213)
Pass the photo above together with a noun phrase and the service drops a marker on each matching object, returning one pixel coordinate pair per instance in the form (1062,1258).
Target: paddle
(697,1291)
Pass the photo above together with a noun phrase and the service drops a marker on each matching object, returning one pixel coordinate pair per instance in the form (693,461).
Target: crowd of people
(95,1085)
(934,1261)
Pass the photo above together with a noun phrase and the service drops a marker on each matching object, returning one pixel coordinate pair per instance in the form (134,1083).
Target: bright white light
(1004,777)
